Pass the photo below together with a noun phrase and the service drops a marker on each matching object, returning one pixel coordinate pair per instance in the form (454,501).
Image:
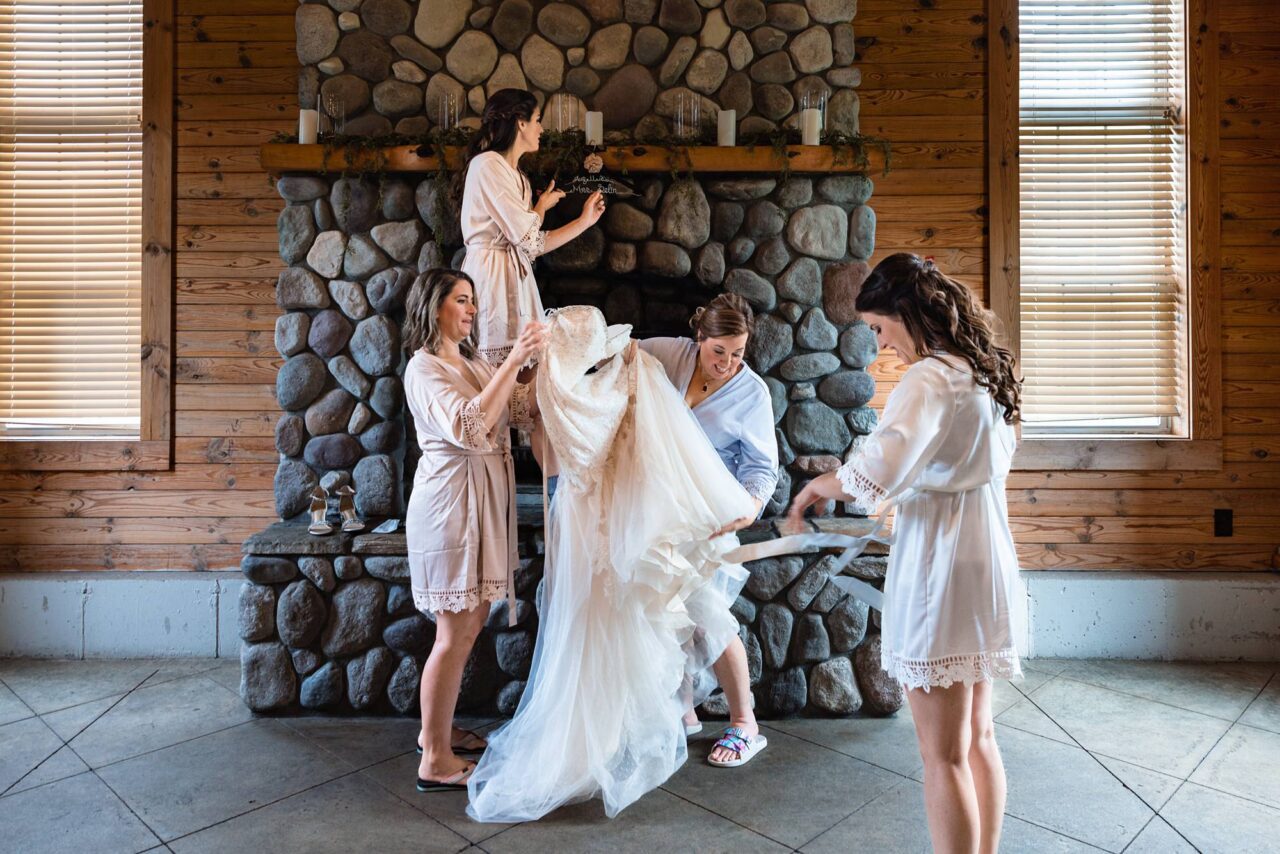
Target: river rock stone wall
(328,624)
(391,63)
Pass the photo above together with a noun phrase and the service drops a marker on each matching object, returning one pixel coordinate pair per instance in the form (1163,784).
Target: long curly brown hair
(941,314)
(422,312)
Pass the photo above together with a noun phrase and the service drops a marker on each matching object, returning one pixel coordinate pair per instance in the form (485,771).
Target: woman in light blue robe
(732,404)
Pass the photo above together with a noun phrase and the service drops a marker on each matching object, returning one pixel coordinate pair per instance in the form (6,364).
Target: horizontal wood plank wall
(236,86)
(936,206)
(923,66)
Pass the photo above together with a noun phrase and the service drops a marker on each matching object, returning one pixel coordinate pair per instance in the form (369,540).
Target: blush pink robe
(460,525)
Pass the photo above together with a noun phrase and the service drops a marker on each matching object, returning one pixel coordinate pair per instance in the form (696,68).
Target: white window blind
(70,217)
(1102,169)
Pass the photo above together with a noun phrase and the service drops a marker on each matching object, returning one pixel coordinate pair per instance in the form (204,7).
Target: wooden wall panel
(925,88)
(1139,520)
(236,81)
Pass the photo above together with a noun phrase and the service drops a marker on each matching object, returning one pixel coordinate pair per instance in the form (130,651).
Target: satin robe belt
(517,260)
(473,523)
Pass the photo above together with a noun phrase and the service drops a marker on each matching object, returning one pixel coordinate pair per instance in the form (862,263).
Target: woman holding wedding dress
(940,455)
(629,544)
(460,527)
(733,408)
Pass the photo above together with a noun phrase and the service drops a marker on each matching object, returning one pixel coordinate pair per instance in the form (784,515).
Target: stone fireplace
(328,622)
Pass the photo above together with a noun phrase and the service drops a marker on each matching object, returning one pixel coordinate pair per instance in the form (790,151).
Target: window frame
(153,449)
(1202,449)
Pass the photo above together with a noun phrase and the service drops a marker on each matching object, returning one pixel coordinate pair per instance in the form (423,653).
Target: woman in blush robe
(501,226)
(460,527)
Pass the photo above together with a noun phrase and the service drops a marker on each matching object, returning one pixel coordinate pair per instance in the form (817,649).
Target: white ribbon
(853,547)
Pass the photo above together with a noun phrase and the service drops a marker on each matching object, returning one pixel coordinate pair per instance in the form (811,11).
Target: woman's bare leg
(988,770)
(942,717)
(731,671)
(456,634)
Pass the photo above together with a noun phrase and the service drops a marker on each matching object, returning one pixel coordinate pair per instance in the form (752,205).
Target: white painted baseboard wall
(1208,616)
(120,615)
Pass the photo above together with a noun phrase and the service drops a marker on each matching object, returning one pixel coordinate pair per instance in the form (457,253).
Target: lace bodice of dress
(582,411)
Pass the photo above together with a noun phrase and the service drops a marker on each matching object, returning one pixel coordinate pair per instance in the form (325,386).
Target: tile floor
(1118,756)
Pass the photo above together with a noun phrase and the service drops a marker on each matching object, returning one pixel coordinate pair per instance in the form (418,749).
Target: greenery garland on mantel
(564,152)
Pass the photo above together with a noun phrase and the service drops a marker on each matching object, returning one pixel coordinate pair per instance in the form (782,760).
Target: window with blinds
(1102,170)
(70,218)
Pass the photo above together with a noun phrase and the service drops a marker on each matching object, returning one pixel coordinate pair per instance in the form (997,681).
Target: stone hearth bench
(328,624)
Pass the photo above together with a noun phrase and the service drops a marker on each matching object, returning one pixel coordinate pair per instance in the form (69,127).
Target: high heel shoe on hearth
(347,508)
(319,509)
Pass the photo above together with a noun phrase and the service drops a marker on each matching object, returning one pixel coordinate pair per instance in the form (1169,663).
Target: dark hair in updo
(724,317)
(498,128)
(942,315)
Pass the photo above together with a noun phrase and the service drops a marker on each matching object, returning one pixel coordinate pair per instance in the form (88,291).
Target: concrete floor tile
(896,822)
(1222,690)
(658,822)
(1051,666)
(889,743)
(348,814)
(1159,837)
(50,685)
(360,741)
(1027,716)
(70,722)
(1244,763)
(227,674)
(62,764)
(1152,787)
(399,775)
(1218,823)
(1063,789)
(791,792)
(157,716)
(11,708)
(1154,735)
(24,745)
(168,669)
(1264,712)
(75,815)
(195,784)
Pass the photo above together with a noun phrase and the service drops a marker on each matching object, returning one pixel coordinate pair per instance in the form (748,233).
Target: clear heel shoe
(347,508)
(319,509)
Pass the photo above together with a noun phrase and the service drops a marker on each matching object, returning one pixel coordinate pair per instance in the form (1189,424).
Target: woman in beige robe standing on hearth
(502,229)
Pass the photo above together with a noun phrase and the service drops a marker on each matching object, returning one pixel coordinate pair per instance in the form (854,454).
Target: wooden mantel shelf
(279,158)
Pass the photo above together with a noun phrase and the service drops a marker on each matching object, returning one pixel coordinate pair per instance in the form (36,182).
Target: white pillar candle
(810,125)
(308,122)
(595,128)
(727,128)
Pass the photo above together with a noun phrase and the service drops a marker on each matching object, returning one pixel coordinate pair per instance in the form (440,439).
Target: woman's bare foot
(441,769)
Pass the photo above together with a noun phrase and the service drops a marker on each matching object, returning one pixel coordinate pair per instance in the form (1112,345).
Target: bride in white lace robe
(629,551)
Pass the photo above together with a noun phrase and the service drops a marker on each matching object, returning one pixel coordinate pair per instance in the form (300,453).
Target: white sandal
(736,739)
(692,729)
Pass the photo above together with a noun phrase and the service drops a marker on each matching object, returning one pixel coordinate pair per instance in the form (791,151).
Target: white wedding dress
(637,593)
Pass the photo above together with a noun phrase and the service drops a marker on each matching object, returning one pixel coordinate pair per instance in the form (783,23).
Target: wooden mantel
(279,158)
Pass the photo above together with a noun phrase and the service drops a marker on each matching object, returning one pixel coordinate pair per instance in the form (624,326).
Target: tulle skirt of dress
(635,610)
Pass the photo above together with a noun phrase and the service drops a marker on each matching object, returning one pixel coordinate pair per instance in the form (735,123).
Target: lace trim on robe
(867,494)
(533,243)
(952,669)
(760,487)
(466,599)
(475,433)
(495,356)
(521,408)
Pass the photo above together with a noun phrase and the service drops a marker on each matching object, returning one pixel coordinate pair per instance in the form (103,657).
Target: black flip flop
(450,784)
